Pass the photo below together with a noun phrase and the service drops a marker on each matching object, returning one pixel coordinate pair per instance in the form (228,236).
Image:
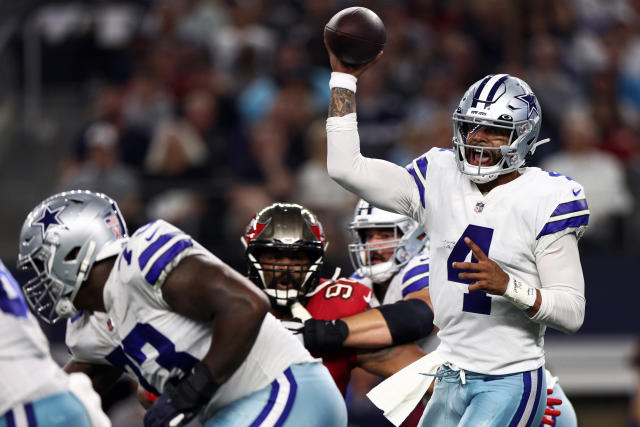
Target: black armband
(408,320)
(195,389)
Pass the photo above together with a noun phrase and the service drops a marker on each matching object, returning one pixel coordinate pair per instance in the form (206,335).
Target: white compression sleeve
(382,183)
(563,303)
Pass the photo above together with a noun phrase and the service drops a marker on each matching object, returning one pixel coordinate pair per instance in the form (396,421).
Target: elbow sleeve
(408,320)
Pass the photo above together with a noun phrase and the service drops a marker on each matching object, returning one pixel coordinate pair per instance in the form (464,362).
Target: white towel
(399,394)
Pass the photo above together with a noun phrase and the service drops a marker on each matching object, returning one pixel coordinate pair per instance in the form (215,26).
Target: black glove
(324,334)
(179,404)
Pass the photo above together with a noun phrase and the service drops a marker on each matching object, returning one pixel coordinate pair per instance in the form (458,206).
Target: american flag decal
(112,222)
(479,207)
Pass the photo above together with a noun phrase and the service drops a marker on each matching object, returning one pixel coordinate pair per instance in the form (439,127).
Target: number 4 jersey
(142,335)
(512,224)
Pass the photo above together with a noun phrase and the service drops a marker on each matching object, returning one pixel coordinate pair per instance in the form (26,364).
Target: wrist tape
(520,294)
(343,80)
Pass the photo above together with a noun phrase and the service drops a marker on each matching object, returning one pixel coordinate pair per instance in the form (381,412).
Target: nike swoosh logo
(493,378)
(148,239)
(367,298)
(575,193)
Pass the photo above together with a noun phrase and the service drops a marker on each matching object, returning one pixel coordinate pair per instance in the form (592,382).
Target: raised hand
(486,273)
(341,67)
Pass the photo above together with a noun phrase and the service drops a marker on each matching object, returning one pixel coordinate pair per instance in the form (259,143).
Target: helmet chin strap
(382,272)
(64,306)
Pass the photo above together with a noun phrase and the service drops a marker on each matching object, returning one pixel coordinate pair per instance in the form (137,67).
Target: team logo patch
(479,207)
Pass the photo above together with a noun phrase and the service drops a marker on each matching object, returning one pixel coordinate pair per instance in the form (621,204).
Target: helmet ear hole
(72,254)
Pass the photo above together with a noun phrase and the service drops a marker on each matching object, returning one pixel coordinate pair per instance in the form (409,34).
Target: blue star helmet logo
(48,218)
(530,100)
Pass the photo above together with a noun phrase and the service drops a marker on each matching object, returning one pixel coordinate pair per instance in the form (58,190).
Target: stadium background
(203,111)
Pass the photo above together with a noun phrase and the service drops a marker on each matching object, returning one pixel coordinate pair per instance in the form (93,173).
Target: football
(355,35)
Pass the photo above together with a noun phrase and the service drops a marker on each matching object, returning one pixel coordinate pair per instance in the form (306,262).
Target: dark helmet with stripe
(60,241)
(280,228)
(504,102)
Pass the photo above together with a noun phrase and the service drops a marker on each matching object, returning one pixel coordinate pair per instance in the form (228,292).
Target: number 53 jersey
(512,224)
(143,336)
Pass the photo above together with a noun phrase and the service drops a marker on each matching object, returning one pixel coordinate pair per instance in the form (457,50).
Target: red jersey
(332,300)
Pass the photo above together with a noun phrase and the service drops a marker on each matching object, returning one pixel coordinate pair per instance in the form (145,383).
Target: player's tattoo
(342,102)
(380,355)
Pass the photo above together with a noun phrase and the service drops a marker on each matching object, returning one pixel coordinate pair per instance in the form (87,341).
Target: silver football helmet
(285,227)
(60,241)
(507,105)
(408,240)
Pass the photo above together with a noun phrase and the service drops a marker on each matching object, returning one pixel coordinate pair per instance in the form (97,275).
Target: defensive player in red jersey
(285,246)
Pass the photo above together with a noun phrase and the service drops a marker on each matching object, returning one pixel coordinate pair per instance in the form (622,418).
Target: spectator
(601,174)
(103,172)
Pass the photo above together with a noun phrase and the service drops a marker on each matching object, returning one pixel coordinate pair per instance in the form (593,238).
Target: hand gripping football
(355,35)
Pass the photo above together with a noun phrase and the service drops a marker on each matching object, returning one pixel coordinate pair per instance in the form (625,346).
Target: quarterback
(504,254)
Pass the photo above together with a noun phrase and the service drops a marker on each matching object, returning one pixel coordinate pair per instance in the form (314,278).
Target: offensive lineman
(185,324)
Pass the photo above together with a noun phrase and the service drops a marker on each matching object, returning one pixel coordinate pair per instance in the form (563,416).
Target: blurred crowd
(203,111)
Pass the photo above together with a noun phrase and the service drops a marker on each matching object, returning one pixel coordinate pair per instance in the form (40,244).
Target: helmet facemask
(499,105)
(285,275)
(380,260)
(88,228)
(285,247)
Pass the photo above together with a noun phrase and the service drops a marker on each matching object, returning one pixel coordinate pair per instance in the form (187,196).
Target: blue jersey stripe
(422,165)
(77,316)
(479,90)
(574,206)
(17,305)
(420,269)
(555,226)
(275,388)
(155,247)
(293,389)
(419,184)
(416,286)
(166,258)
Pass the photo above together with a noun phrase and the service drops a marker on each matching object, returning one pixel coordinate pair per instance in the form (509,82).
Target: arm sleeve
(381,183)
(563,302)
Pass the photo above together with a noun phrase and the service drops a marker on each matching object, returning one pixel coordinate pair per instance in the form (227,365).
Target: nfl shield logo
(479,207)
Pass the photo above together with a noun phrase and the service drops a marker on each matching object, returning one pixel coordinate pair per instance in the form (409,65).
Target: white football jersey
(512,224)
(27,371)
(90,337)
(156,344)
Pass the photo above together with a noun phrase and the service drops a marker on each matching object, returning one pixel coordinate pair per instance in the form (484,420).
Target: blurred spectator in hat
(103,172)
(600,173)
